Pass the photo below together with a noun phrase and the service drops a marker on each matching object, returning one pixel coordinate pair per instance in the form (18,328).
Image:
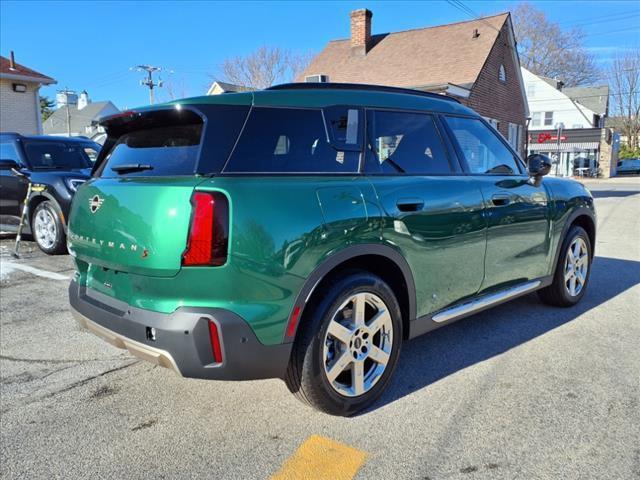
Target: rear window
(160,151)
(44,155)
(283,140)
(172,142)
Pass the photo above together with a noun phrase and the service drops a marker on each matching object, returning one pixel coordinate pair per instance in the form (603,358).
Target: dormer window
(502,74)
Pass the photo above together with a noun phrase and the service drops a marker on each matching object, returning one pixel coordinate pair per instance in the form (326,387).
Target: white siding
(543,99)
(19,112)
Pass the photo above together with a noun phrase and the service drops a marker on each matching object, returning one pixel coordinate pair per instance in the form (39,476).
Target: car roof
(327,94)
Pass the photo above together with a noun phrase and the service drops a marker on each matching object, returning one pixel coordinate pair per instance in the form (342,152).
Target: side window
(345,127)
(8,152)
(281,140)
(482,149)
(405,143)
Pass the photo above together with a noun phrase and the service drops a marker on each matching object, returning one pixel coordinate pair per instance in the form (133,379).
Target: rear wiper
(131,167)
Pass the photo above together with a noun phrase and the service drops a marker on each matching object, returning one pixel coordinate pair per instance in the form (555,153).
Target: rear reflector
(209,230)
(215,342)
(293,322)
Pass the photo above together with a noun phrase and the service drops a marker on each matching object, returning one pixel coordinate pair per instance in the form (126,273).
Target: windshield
(60,155)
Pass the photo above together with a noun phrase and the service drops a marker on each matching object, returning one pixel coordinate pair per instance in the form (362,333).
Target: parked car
(629,167)
(56,166)
(307,230)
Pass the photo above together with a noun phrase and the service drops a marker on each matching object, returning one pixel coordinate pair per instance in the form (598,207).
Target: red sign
(545,137)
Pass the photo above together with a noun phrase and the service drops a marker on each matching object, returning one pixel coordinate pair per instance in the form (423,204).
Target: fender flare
(343,255)
(578,212)
(51,198)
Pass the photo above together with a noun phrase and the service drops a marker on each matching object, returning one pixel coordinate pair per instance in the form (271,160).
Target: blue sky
(92,45)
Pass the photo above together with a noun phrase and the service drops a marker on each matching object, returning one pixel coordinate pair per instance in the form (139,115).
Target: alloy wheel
(576,266)
(357,344)
(45,228)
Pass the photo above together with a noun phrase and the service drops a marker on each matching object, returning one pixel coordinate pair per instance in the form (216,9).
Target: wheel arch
(583,217)
(381,260)
(43,197)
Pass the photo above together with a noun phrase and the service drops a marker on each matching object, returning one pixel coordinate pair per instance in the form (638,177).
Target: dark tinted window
(345,127)
(405,143)
(163,150)
(281,140)
(481,147)
(57,155)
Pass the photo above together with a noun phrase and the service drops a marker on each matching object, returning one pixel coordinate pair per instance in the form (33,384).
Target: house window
(493,122)
(502,75)
(513,135)
(548,118)
(535,119)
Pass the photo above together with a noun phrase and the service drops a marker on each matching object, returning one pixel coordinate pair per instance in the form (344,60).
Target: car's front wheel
(572,271)
(348,346)
(47,229)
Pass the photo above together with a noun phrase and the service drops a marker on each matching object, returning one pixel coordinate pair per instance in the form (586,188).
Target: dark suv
(55,166)
(306,231)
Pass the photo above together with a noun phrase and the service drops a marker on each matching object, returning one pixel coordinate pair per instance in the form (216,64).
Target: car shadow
(613,193)
(442,352)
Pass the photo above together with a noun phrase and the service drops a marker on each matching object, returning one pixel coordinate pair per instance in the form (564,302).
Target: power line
(610,15)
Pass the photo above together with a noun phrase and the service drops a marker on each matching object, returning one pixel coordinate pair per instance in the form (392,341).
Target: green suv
(305,231)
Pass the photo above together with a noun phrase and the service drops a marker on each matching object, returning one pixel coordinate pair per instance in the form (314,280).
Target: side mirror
(538,165)
(6,164)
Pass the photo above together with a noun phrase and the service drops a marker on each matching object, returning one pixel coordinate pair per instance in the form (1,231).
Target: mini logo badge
(95,203)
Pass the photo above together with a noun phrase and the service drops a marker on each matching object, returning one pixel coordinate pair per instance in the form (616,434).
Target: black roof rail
(357,86)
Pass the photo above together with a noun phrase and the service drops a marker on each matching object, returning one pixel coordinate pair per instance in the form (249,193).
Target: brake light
(215,342)
(209,230)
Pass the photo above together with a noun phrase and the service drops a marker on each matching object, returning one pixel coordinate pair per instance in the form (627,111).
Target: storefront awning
(564,147)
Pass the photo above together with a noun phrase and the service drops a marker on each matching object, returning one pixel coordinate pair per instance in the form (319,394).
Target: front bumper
(182,341)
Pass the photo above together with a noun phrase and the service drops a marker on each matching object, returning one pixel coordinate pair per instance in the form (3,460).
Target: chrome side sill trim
(137,349)
(484,302)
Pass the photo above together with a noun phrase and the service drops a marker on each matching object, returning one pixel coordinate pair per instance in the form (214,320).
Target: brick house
(475,62)
(20,97)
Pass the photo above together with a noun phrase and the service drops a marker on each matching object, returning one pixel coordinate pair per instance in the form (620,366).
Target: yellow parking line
(322,458)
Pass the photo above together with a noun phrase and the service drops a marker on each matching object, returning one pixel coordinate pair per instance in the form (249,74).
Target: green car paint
(283,228)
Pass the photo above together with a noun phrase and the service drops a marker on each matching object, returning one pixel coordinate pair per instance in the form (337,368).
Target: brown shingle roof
(5,69)
(413,58)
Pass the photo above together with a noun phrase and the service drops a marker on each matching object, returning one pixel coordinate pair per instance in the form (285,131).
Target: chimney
(360,31)
(12,61)
(84,100)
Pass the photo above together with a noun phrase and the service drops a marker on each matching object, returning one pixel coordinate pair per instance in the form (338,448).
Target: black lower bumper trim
(184,337)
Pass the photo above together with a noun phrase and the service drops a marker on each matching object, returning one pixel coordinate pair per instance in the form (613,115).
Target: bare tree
(175,90)
(624,81)
(264,67)
(545,49)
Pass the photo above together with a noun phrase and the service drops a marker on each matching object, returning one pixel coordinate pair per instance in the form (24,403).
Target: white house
(567,124)
(550,104)
(76,116)
(20,97)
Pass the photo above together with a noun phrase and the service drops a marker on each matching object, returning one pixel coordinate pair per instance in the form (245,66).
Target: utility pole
(148,82)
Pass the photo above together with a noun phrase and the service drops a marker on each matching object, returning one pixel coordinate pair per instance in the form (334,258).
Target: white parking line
(6,267)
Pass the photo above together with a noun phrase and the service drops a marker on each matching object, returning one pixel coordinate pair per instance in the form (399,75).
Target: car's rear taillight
(208,240)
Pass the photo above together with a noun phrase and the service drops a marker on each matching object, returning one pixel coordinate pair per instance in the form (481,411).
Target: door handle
(410,204)
(501,200)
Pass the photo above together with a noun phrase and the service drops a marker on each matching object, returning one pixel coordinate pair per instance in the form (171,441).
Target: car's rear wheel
(348,346)
(572,272)
(47,229)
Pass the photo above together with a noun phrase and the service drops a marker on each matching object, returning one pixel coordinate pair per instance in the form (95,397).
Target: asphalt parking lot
(520,391)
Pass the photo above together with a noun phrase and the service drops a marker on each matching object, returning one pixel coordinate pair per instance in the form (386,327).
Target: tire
(562,292)
(316,351)
(47,229)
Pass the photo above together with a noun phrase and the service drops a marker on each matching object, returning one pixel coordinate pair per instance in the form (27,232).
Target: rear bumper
(182,340)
